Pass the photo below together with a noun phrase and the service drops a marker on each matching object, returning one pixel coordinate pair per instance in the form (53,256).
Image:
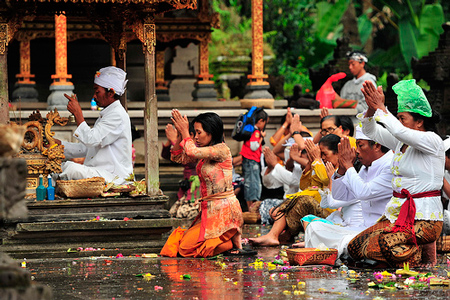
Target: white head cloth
(359,135)
(357,56)
(112,78)
(447,143)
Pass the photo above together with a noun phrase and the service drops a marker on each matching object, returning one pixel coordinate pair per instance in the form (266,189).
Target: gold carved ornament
(34,142)
(3,38)
(8,29)
(53,151)
(146,33)
(177,4)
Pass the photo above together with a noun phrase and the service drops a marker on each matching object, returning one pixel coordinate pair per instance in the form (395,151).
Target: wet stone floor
(98,277)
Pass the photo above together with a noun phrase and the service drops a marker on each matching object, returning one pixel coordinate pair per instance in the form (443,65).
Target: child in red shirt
(251,158)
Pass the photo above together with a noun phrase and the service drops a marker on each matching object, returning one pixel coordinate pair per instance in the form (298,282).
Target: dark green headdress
(411,98)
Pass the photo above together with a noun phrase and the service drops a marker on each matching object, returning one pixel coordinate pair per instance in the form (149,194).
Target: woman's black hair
(330,141)
(429,123)
(336,120)
(191,128)
(212,124)
(347,124)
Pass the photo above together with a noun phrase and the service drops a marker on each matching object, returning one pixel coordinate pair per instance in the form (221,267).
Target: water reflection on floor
(229,278)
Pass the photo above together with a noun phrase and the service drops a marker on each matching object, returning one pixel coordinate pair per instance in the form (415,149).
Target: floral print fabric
(214,168)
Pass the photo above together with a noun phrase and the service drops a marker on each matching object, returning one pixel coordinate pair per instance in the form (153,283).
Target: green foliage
(295,75)
(419,27)
(302,34)
(365,27)
(235,35)
(328,17)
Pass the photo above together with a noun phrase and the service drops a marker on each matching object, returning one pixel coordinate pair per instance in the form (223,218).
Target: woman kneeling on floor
(217,228)
(413,217)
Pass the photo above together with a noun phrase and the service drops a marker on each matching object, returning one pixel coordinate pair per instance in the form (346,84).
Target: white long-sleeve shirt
(372,186)
(279,176)
(107,145)
(419,169)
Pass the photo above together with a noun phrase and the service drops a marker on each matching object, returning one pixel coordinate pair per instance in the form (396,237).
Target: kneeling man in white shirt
(107,145)
(372,186)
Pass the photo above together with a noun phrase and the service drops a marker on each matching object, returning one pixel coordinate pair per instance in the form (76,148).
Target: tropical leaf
(365,28)
(408,42)
(322,9)
(431,20)
(320,52)
(329,20)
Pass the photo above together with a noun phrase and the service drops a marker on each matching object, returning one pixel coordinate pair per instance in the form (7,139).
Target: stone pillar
(257,88)
(162,92)
(204,87)
(25,90)
(4,103)
(60,85)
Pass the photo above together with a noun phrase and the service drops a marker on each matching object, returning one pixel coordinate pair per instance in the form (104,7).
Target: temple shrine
(51,47)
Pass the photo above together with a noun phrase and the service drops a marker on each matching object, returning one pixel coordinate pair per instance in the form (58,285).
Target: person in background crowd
(352,89)
(331,124)
(251,159)
(307,202)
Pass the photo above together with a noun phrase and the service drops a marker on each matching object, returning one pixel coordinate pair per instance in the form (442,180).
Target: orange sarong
(191,247)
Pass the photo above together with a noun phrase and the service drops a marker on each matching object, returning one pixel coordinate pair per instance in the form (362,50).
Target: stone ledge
(95,225)
(136,215)
(61,250)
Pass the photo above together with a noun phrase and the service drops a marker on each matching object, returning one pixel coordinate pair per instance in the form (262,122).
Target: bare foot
(264,240)
(299,245)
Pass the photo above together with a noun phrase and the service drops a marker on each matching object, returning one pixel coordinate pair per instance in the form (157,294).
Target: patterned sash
(406,217)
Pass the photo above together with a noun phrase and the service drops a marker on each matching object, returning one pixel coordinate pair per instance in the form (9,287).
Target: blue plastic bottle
(41,191)
(93,104)
(50,189)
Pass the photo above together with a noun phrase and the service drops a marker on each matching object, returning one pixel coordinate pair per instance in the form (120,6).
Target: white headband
(112,78)
(357,57)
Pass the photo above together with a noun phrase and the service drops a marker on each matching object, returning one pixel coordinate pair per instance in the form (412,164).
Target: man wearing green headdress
(413,218)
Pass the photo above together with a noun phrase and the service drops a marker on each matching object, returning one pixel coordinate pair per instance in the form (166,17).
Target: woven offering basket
(82,188)
(251,217)
(311,256)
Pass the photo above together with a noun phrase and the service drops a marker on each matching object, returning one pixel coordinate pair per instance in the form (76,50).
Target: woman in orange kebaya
(217,228)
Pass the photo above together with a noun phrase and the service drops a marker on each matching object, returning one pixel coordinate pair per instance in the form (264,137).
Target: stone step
(61,250)
(145,204)
(52,227)
(53,239)
(151,214)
